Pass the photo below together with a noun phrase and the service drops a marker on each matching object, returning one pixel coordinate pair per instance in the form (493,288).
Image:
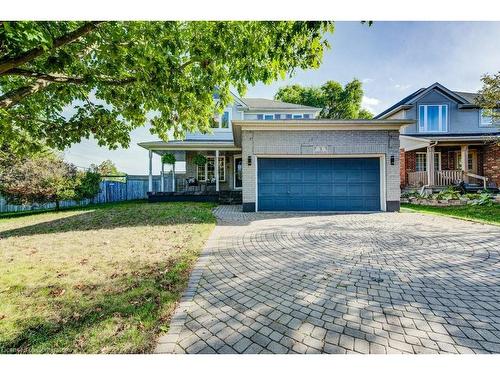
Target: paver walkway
(366,283)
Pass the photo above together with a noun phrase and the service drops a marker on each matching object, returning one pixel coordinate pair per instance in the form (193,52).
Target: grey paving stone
(305,282)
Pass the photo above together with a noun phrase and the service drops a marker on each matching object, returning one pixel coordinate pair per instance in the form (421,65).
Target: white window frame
(234,172)
(230,118)
(442,125)
(221,159)
(425,164)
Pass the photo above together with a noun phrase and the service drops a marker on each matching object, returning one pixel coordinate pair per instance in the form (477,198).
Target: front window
(421,161)
(489,117)
(207,172)
(433,118)
(470,160)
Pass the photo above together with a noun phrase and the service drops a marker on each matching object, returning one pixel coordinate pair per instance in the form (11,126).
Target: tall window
(207,172)
(433,118)
(421,161)
(470,160)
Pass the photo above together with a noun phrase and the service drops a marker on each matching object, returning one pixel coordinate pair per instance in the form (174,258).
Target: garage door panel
(319,184)
(295,176)
(295,189)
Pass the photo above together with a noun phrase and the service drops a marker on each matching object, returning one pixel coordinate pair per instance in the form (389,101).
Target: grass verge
(100,279)
(481,214)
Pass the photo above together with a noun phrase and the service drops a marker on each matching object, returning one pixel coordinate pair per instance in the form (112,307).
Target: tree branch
(61,78)
(15,96)
(9,63)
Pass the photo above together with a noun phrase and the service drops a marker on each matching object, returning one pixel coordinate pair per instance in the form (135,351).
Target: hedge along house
(279,157)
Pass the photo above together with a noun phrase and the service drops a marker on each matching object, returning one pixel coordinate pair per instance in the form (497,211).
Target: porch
(217,179)
(443,163)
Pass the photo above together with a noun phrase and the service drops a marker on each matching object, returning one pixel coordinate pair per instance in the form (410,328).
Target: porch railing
(417,179)
(450,177)
(444,178)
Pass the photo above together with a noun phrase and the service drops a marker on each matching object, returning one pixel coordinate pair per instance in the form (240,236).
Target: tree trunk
(57,205)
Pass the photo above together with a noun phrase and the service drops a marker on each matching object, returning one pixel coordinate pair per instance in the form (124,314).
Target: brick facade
(338,142)
(491,163)
(488,158)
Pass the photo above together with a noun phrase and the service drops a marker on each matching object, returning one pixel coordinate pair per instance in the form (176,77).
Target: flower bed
(449,197)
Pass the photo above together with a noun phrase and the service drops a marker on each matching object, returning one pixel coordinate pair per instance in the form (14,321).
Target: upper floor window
(432,118)
(279,116)
(222,121)
(489,117)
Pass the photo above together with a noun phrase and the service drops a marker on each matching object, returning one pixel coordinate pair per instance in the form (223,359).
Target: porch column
(150,178)
(173,177)
(464,160)
(430,165)
(216,170)
(162,176)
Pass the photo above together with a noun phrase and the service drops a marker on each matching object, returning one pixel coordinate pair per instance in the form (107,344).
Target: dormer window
(433,118)
(489,117)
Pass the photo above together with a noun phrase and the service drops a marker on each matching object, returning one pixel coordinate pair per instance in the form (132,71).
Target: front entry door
(238,172)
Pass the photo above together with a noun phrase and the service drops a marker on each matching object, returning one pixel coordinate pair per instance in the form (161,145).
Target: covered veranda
(183,151)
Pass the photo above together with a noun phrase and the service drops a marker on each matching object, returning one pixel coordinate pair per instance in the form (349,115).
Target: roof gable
(464,98)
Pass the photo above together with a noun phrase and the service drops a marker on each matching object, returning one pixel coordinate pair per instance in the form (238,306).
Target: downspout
(431,144)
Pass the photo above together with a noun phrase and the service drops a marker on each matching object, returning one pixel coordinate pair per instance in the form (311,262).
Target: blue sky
(392,59)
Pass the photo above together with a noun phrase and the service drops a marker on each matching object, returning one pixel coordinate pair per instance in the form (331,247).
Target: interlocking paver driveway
(372,283)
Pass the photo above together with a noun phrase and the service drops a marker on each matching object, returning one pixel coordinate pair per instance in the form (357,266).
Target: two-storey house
(451,139)
(277,156)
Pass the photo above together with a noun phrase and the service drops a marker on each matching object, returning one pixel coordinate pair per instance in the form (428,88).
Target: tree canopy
(337,102)
(489,96)
(62,81)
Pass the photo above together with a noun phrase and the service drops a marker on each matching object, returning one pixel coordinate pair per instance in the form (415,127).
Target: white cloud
(369,103)
(402,87)
(367,80)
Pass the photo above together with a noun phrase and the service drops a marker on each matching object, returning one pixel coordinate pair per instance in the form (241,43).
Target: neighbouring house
(276,156)
(451,139)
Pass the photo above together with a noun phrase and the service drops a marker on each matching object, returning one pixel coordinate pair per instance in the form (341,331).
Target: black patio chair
(192,183)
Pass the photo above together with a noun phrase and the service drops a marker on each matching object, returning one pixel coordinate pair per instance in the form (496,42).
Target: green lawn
(101,279)
(483,214)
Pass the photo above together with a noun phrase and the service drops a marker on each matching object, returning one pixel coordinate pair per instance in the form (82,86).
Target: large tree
(115,74)
(489,96)
(337,102)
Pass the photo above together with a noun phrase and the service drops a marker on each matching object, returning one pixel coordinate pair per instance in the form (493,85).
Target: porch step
(230,197)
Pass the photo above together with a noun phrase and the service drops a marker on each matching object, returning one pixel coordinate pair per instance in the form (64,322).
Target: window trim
(422,123)
(438,153)
(223,157)
(230,119)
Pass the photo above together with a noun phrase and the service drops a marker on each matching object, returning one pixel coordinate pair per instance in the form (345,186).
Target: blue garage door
(326,184)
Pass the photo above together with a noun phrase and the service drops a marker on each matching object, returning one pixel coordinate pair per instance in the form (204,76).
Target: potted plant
(200,160)
(168,159)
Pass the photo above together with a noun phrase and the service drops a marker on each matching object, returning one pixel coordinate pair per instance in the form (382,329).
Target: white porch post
(150,179)
(173,177)
(216,170)
(162,176)
(464,160)
(430,165)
